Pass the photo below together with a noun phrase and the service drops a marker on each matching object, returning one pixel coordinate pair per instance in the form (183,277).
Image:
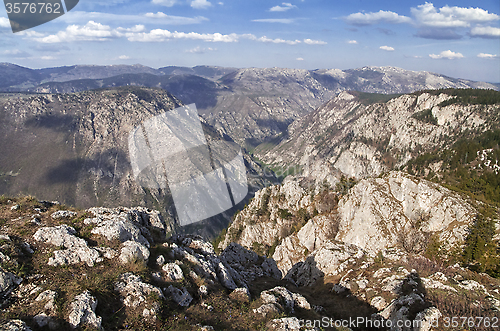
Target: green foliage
(425,116)
(480,250)
(460,169)
(345,184)
(467,96)
(284,214)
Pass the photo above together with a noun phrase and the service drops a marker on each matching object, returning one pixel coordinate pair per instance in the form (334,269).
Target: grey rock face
(63,214)
(8,281)
(75,250)
(133,251)
(15,325)
(82,311)
(134,291)
(378,213)
(172,272)
(180,296)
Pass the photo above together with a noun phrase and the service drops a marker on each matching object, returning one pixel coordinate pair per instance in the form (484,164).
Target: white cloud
(200,50)
(352,42)
(48,58)
(447,55)
(387,48)
(200,4)
(124,57)
(378,17)
(275,20)
(159,35)
(91,31)
(314,42)
(264,39)
(485,32)
(299,59)
(488,56)
(284,7)
(4,22)
(167,3)
(450,17)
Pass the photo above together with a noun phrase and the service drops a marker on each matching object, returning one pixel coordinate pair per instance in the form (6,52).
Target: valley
(373,193)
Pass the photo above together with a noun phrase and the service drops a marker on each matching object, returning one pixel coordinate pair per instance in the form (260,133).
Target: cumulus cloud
(451,17)
(375,18)
(352,41)
(124,57)
(488,56)
(4,22)
(299,59)
(284,7)
(200,4)
(387,48)
(485,32)
(447,55)
(275,20)
(435,23)
(91,31)
(314,42)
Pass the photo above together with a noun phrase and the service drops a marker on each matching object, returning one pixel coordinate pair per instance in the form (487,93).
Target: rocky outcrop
(401,210)
(357,137)
(82,311)
(75,249)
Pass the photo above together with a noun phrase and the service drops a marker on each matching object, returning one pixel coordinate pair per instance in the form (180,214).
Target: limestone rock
(284,324)
(82,311)
(75,249)
(134,291)
(133,251)
(377,211)
(63,214)
(14,325)
(172,272)
(180,296)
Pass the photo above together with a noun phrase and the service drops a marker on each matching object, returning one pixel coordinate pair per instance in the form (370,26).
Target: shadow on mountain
(54,122)
(66,172)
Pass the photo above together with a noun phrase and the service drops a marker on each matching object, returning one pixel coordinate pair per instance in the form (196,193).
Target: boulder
(82,311)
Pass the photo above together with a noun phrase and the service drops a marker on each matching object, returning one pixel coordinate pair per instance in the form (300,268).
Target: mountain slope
(250,105)
(355,136)
(74,148)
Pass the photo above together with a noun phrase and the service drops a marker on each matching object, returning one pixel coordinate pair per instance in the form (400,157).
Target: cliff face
(74,147)
(395,211)
(359,138)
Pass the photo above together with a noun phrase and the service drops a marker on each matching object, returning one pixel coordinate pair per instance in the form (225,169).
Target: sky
(460,39)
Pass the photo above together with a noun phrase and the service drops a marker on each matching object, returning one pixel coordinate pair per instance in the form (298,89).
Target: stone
(132,251)
(8,281)
(284,324)
(82,311)
(15,325)
(134,291)
(180,296)
(426,318)
(241,294)
(160,260)
(63,214)
(48,296)
(173,272)
(378,302)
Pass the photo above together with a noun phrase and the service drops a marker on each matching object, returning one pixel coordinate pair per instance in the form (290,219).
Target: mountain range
(251,105)
(373,193)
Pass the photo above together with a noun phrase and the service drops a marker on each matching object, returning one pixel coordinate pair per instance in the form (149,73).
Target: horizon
(237,68)
(458,39)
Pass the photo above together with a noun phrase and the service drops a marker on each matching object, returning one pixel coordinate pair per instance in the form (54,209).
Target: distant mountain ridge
(250,105)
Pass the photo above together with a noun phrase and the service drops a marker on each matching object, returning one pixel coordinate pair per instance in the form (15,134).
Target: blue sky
(460,38)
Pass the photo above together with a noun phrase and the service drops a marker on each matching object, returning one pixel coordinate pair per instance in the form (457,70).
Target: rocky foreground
(115,269)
